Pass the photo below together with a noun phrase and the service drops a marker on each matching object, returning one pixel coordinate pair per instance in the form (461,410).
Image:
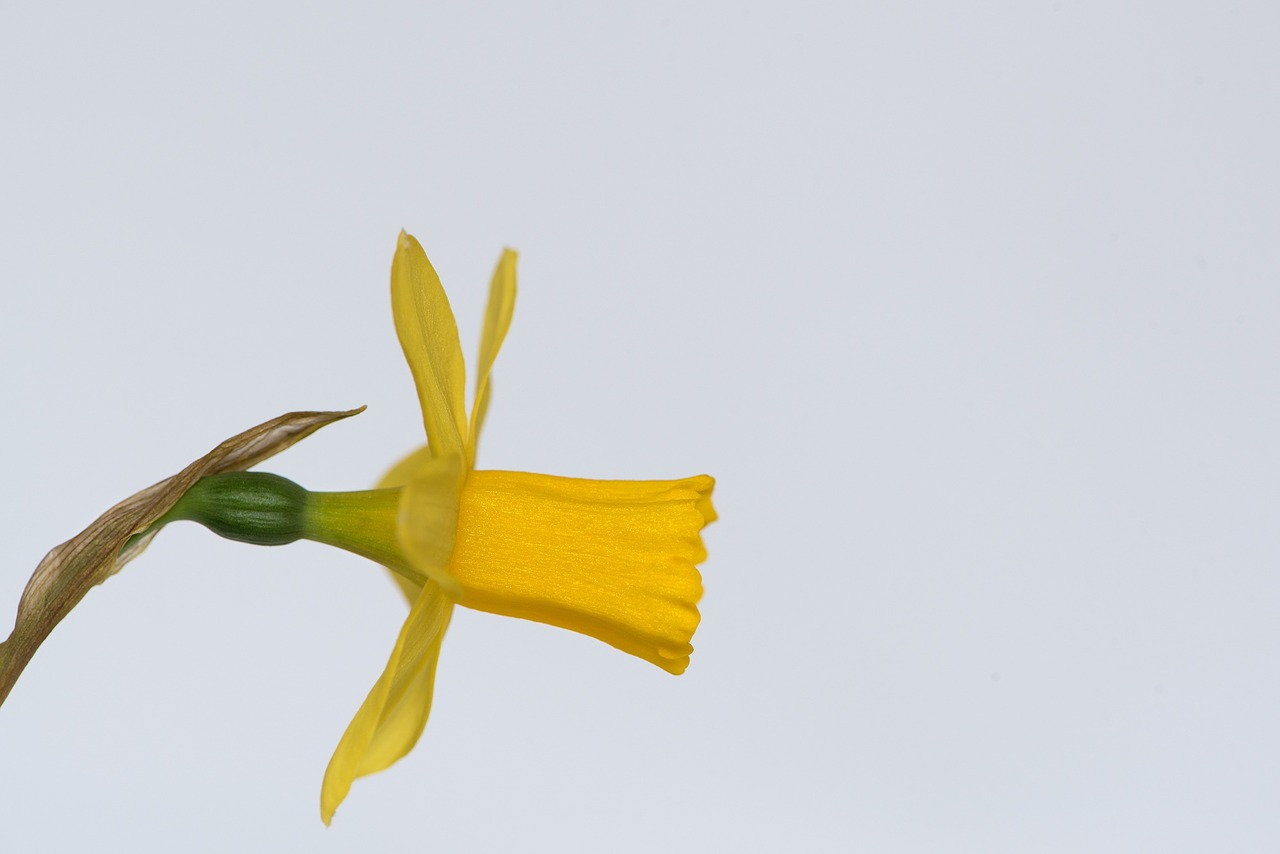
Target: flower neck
(268,510)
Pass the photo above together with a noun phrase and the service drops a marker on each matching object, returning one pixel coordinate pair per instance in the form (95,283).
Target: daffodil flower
(616,560)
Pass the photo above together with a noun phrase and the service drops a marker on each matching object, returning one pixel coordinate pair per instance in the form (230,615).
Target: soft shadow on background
(972,313)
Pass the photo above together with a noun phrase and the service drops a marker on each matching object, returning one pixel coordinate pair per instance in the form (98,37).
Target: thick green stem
(268,510)
(249,507)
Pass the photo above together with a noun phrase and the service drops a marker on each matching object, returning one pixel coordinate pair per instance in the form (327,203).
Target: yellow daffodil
(616,560)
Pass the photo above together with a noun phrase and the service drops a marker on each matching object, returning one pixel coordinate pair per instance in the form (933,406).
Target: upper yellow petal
(429,337)
(393,715)
(402,472)
(497,320)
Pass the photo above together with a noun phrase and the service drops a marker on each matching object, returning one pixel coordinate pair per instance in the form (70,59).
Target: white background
(972,309)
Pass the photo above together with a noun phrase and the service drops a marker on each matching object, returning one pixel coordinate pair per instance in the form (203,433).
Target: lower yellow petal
(393,715)
(616,560)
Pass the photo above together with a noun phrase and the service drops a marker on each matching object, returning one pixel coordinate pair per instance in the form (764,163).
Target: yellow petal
(401,473)
(398,475)
(429,337)
(393,715)
(612,559)
(428,518)
(497,320)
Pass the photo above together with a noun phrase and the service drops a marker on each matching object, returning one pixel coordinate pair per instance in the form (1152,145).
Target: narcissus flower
(616,560)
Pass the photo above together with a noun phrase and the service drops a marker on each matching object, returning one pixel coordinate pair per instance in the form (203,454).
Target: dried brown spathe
(95,554)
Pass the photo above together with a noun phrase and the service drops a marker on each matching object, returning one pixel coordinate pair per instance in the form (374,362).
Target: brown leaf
(96,553)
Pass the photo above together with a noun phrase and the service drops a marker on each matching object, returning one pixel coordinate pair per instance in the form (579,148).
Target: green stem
(268,510)
(363,523)
(249,507)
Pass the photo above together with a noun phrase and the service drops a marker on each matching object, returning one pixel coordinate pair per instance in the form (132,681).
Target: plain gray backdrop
(973,310)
